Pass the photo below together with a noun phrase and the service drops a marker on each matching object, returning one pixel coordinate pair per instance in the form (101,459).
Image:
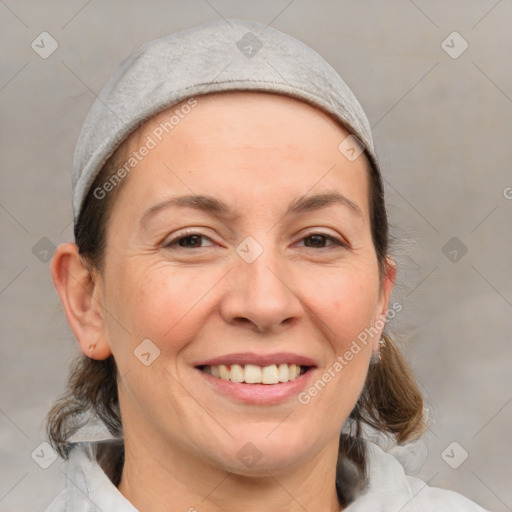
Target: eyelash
(187,234)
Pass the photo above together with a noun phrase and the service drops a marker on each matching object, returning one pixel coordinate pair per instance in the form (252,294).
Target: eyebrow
(216,207)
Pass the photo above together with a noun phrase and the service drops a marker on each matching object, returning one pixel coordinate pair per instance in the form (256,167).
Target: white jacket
(89,489)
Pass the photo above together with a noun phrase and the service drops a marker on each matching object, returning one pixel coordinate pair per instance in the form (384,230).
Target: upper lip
(243,358)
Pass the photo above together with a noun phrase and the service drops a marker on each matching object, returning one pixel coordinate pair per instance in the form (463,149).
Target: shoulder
(434,499)
(390,489)
(59,504)
(88,483)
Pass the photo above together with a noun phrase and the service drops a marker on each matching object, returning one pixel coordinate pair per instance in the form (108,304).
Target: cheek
(345,300)
(344,303)
(152,320)
(157,303)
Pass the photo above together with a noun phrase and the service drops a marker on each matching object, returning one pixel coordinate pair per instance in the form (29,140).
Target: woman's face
(247,269)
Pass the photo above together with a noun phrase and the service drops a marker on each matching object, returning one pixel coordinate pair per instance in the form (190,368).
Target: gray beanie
(222,56)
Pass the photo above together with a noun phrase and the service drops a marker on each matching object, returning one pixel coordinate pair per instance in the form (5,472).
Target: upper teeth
(253,374)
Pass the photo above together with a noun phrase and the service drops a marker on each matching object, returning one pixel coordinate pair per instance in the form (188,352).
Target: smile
(254,374)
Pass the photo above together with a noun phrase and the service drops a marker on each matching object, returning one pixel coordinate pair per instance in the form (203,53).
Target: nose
(261,294)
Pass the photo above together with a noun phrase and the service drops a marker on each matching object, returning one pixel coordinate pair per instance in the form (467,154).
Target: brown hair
(390,402)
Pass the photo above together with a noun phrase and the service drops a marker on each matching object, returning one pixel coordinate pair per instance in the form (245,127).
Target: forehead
(234,110)
(237,140)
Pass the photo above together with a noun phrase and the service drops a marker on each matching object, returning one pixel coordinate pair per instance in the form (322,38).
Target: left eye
(318,239)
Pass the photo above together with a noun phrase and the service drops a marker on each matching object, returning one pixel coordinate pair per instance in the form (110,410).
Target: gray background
(442,127)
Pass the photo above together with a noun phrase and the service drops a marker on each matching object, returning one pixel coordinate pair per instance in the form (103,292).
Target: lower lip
(264,394)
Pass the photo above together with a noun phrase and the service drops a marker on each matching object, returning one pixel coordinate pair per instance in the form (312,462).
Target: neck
(155,476)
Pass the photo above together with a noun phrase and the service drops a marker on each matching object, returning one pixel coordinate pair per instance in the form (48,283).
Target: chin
(261,454)
(256,464)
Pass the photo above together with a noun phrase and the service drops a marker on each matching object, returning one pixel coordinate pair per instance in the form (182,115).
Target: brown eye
(191,240)
(187,240)
(318,241)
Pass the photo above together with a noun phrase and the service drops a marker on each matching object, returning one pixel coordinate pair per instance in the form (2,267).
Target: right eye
(186,240)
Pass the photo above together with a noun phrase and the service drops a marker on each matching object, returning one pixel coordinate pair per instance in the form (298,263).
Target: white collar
(389,490)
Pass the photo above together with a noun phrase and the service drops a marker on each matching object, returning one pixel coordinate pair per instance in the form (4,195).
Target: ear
(79,290)
(386,288)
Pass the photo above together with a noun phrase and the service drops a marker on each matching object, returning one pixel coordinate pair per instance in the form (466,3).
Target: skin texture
(256,152)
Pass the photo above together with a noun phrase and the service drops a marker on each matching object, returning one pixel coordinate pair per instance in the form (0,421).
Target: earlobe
(79,293)
(387,284)
(389,279)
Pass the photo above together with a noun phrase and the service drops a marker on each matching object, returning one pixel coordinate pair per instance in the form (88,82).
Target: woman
(229,288)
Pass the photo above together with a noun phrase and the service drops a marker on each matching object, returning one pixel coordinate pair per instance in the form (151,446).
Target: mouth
(254,374)
(257,379)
